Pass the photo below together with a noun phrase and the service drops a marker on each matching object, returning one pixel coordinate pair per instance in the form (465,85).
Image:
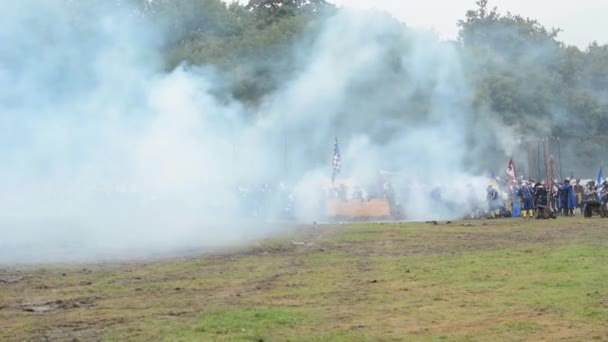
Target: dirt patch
(46,307)
(10,279)
(440,242)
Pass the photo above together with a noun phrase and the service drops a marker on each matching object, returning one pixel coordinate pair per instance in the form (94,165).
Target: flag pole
(335,163)
(538,160)
(559,157)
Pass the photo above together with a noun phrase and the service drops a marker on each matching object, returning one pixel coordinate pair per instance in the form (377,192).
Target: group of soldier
(504,198)
(530,199)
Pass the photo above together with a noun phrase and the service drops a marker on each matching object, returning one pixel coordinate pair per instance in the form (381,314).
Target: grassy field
(503,280)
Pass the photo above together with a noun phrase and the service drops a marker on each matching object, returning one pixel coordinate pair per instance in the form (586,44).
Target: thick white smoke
(105,155)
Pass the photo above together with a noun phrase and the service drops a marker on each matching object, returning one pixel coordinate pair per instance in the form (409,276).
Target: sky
(582,21)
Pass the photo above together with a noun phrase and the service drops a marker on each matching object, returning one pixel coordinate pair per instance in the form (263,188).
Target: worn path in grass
(503,280)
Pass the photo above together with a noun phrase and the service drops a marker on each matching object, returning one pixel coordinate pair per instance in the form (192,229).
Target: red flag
(511,169)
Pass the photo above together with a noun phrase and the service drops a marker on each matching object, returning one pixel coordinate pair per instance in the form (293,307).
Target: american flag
(336,161)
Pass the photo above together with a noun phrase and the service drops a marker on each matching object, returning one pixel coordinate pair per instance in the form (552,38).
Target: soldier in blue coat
(568,198)
(526,193)
(515,199)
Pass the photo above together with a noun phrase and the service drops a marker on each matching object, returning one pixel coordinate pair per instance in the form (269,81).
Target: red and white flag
(511,172)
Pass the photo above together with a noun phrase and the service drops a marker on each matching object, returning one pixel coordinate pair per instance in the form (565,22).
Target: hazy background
(127,127)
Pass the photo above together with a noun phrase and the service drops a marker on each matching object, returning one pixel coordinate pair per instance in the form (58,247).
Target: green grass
(254,324)
(504,280)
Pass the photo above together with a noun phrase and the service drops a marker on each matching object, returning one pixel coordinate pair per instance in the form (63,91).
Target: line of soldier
(529,198)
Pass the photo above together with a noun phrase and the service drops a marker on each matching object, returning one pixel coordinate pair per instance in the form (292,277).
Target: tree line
(521,73)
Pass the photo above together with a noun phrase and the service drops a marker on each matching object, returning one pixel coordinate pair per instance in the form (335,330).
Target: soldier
(591,194)
(579,190)
(556,197)
(525,194)
(507,191)
(589,190)
(542,202)
(515,200)
(567,197)
(592,201)
(604,196)
(493,199)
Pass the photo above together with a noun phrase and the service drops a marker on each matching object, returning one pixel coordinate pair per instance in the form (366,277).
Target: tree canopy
(520,72)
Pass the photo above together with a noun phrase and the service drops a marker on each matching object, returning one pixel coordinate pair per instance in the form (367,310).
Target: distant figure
(568,199)
(389,192)
(493,199)
(604,193)
(515,200)
(579,191)
(556,198)
(591,194)
(542,201)
(516,209)
(527,201)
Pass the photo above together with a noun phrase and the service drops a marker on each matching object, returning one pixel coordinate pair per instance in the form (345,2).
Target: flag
(336,162)
(600,177)
(511,172)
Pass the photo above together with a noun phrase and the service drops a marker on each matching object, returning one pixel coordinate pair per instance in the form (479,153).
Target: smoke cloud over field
(106,155)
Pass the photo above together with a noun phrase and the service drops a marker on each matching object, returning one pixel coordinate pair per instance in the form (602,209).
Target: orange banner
(376,208)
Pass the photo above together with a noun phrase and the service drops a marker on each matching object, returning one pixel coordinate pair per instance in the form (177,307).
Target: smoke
(105,155)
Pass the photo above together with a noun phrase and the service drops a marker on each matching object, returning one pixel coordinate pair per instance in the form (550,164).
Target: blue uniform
(516,209)
(568,198)
(525,192)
